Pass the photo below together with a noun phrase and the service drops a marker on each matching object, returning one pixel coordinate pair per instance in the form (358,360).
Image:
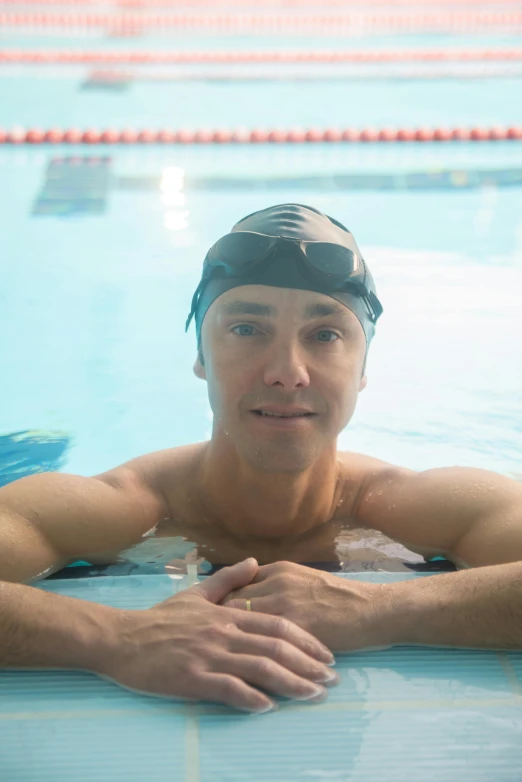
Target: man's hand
(345,615)
(190,648)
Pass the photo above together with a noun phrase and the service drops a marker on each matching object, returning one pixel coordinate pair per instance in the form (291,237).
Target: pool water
(102,247)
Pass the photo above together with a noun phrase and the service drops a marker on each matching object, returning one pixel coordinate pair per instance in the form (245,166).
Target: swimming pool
(101,249)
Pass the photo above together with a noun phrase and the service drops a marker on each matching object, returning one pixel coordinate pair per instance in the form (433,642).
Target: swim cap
(297,221)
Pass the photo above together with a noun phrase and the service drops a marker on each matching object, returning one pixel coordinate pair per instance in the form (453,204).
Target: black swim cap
(296,221)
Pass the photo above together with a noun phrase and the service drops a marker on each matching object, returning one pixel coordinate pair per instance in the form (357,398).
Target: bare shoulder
(456,512)
(367,465)
(370,487)
(362,473)
(165,472)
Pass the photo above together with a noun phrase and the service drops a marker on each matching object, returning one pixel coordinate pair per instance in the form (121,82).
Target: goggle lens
(239,250)
(242,250)
(331,259)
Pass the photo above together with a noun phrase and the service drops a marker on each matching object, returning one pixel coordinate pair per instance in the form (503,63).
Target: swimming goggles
(327,265)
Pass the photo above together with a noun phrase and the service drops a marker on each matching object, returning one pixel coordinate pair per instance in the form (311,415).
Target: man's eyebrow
(248,308)
(323,310)
(265,310)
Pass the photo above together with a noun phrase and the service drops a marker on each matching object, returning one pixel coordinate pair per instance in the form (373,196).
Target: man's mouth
(271,414)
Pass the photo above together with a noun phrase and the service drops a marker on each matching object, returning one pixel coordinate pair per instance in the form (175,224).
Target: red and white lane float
(258,136)
(89,57)
(274,23)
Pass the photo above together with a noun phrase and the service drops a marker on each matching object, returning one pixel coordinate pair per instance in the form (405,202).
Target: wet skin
(264,486)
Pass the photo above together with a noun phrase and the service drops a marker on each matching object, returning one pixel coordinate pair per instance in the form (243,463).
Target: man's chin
(282,456)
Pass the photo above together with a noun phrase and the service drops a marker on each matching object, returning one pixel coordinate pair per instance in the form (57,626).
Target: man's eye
(245,330)
(324,335)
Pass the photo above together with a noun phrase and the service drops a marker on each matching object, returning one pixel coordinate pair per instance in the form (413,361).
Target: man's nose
(285,367)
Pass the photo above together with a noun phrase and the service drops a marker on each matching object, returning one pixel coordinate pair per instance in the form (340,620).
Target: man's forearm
(479,608)
(42,630)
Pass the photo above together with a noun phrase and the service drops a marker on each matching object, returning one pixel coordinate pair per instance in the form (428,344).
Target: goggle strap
(195,299)
(374,306)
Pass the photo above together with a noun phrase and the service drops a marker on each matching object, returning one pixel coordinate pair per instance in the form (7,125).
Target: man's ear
(363,383)
(199,369)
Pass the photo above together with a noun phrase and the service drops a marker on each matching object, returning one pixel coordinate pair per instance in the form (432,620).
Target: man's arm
(51,519)
(42,630)
(186,647)
(471,516)
(474,609)
(474,518)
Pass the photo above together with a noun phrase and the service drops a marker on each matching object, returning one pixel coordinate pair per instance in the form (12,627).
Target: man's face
(283,350)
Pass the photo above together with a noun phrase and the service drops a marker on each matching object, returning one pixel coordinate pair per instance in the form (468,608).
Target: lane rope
(258,136)
(71,57)
(263,23)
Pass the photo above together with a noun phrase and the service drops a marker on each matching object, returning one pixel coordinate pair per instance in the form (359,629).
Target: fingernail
(264,709)
(327,676)
(328,658)
(313,692)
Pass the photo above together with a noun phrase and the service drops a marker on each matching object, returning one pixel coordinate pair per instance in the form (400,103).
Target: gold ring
(248,605)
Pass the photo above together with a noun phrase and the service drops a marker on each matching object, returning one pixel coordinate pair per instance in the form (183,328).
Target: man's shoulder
(169,470)
(168,463)
(362,461)
(361,472)
(364,467)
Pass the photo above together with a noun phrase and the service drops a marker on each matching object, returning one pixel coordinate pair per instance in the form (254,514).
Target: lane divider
(258,136)
(271,23)
(71,57)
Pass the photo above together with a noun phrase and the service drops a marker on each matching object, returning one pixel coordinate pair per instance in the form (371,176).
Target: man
(285,312)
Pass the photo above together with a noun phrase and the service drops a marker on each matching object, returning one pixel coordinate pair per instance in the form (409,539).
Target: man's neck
(249,502)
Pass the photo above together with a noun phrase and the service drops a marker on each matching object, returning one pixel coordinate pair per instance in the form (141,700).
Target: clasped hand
(346,615)
(201,644)
(191,647)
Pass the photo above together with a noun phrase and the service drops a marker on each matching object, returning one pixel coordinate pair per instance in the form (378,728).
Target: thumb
(218,586)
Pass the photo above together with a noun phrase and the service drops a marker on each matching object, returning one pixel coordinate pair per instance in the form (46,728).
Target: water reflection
(338,547)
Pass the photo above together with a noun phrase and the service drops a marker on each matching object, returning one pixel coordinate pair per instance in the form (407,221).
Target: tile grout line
(346,706)
(191,744)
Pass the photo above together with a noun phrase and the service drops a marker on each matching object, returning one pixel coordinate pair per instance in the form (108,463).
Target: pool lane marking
(299,57)
(34,136)
(209,711)
(256,23)
(510,673)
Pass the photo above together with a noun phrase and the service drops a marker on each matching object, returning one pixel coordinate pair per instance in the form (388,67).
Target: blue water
(96,285)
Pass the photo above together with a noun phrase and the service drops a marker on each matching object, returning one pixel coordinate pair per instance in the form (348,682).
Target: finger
(247,593)
(285,655)
(216,587)
(231,691)
(279,627)
(271,676)
(261,605)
